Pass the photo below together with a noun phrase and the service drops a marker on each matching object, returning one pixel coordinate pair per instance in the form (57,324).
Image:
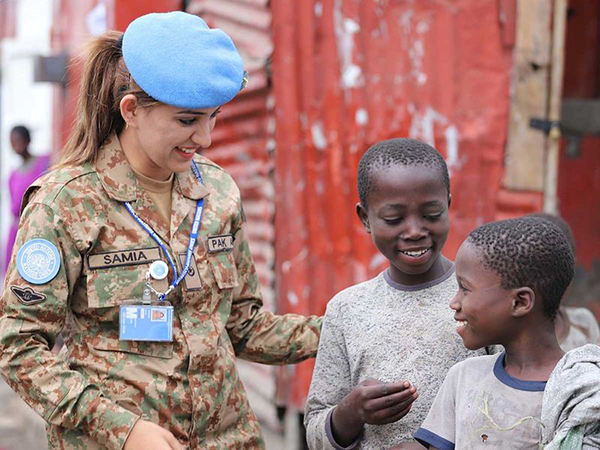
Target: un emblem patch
(38,261)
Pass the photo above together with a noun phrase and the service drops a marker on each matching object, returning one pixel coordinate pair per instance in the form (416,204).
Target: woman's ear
(363,216)
(523,301)
(128,107)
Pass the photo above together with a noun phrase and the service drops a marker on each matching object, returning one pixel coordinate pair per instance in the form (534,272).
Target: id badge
(141,322)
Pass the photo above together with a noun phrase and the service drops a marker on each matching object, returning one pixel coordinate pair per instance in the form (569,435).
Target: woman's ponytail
(105,82)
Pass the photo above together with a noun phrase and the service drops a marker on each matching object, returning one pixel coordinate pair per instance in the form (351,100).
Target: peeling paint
(423,126)
(319,187)
(413,44)
(351,27)
(361,116)
(287,265)
(452,159)
(345,29)
(318,136)
(351,76)
(292,298)
(318,9)
(422,27)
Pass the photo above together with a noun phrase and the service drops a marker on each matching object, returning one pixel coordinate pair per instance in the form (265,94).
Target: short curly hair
(562,224)
(527,252)
(398,152)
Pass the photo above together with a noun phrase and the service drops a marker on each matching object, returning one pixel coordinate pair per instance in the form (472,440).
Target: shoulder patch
(38,261)
(27,296)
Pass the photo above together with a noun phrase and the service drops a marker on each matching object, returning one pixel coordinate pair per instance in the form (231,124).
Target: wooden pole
(554,105)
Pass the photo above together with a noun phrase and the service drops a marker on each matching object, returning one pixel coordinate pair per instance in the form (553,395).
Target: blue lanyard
(191,244)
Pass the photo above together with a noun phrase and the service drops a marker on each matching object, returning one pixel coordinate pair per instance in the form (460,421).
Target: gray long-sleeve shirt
(380,329)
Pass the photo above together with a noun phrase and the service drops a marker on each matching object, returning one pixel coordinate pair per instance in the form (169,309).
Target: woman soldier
(133,248)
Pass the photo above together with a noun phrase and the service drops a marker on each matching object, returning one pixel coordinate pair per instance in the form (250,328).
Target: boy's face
(483,307)
(407,218)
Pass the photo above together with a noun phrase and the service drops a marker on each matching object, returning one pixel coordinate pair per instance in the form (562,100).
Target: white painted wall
(23,102)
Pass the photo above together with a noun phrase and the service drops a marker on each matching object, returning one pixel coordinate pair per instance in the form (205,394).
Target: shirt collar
(120,182)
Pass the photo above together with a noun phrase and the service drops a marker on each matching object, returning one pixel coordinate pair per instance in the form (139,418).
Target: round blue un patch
(38,261)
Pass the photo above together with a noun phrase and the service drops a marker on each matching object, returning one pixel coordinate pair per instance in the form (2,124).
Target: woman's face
(168,137)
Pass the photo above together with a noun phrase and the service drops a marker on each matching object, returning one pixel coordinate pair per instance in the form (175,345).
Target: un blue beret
(178,60)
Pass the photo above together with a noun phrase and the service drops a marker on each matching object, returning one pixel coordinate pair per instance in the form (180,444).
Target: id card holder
(146,322)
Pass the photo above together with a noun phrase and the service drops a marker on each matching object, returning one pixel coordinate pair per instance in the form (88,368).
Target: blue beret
(178,60)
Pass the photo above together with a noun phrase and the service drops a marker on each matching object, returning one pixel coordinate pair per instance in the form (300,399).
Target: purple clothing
(20,179)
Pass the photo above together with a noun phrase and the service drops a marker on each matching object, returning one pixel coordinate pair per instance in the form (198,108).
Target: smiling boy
(388,337)
(512,275)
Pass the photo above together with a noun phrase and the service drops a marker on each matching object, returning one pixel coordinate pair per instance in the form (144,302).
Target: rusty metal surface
(349,73)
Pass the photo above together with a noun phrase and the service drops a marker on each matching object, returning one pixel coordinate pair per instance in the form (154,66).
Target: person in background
(20,179)
(574,326)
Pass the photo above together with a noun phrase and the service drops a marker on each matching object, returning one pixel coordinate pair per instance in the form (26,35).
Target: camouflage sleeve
(31,318)
(262,336)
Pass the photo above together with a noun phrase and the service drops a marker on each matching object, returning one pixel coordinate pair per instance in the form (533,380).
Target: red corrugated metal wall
(348,73)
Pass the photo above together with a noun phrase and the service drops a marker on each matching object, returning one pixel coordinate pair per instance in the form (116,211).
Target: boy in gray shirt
(394,335)
(511,275)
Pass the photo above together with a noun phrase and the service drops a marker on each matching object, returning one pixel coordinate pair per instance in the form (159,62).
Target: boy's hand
(371,402)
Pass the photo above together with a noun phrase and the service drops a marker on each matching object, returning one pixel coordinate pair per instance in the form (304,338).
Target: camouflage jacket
(94,391)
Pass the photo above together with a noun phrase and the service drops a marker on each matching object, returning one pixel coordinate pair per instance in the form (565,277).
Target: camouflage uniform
(93,392)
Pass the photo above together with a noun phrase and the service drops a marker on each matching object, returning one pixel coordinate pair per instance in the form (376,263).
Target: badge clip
(147,295)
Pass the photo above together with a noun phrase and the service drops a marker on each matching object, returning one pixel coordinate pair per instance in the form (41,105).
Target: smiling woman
(133,248)
(163,139)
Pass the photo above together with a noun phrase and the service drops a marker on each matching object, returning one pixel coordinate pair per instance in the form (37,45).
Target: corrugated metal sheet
(243,143)
(349,73)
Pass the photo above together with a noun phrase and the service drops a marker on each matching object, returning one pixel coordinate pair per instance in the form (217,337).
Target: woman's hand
(149,436)
(371,402)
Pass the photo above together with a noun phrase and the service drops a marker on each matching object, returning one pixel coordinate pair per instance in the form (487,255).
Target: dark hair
(560,223)
(105,82)
(527,252)
(22,131)
(402,152)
